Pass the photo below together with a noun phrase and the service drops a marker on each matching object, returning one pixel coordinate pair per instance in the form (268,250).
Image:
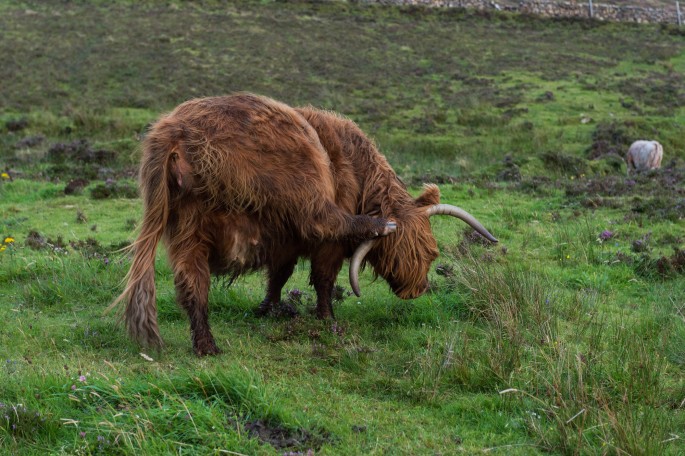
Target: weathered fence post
(680,16)
(592,13)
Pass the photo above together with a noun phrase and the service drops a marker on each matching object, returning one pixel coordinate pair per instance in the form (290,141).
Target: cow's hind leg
(326,264)
(192,280)
(278,276)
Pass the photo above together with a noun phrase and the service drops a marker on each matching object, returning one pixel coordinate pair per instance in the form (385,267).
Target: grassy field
(568,337)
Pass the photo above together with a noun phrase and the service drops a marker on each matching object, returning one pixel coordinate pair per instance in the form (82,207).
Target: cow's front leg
(326,264)
(363,227)
(192,280)
(333,224)
(278,276)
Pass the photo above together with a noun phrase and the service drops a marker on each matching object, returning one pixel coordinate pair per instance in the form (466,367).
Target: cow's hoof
(263,309)
(324,314)
(384,227)
(207,348)
(286,310)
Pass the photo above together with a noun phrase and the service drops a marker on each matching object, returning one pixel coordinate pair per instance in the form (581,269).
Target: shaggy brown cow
(239,183)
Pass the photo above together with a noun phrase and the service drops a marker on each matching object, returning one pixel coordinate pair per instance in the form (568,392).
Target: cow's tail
(658,155)
(140,314)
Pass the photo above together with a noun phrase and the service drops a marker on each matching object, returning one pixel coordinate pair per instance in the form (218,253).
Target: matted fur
(644,155)
(403,258)
(239,183)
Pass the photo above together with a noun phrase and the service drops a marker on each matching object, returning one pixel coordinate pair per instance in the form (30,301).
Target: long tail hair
(139,294)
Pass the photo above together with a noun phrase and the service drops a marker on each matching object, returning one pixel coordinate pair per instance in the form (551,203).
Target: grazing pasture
(567,337)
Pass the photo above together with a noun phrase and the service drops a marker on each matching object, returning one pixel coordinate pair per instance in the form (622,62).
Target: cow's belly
(237,244)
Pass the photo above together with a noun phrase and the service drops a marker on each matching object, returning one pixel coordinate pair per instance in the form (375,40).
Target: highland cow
(241,183)
(644,155)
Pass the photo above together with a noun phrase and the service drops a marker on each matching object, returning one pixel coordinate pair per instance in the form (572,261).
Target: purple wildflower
(82,378)
(295,296)
(82,434)
(606,235)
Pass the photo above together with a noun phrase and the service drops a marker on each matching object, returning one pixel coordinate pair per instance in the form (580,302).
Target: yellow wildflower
(9,240)
(2,248)
(5,176)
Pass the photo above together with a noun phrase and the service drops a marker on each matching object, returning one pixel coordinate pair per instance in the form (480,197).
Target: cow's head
(404,257)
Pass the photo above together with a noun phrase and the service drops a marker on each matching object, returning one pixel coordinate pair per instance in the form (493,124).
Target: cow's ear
(429,197)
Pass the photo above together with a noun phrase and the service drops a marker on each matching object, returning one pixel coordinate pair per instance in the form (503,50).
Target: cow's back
(340,138)
(252,153)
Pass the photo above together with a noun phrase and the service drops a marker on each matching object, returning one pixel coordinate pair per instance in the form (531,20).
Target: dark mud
(282,437)
(79,160)
(511,171)
(79,150)
(36,241)
(89,248)
(29,142)
(566,164)
(661,92)
(75,186)
(114,189)
(15,125)
(656,194)
(614,138)
(663,267)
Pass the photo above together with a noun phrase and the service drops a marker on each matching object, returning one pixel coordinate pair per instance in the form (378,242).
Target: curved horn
(360,253)
(356,262)
(454,211)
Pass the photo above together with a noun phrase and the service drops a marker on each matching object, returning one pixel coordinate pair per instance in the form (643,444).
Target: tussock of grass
(604,390)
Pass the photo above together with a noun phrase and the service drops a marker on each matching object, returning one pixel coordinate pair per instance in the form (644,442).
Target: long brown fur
(402,259)
(239,183)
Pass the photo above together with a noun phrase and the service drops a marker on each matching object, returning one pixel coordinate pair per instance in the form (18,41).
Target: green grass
(555,341)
